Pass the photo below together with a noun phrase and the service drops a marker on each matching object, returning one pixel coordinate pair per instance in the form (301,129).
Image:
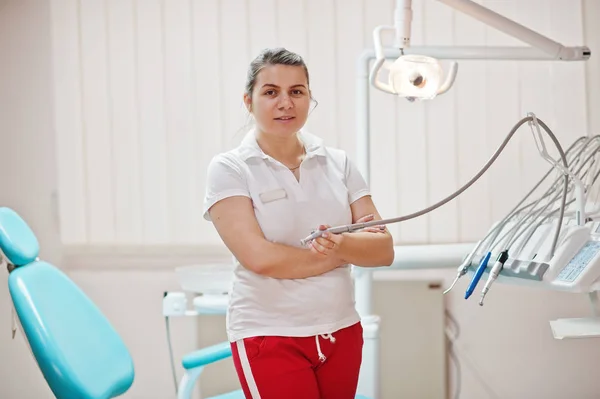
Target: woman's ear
(248,102)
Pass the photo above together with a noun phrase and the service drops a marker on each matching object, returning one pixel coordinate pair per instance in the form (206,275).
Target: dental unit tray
(574,267)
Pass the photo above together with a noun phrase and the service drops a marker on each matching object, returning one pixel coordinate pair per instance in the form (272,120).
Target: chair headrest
(18,243)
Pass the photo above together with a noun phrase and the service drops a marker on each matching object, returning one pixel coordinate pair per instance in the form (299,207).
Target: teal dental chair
(78,351)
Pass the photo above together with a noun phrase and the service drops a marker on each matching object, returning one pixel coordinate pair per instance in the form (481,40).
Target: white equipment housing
(575,266)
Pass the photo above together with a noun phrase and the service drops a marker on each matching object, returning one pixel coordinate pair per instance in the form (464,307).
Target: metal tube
(514,53)
(506,25)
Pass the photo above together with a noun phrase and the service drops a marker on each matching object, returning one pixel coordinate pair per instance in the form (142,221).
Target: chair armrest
(208,355)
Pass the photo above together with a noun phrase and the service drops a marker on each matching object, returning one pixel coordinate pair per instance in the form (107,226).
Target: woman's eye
(270,92)
(297,92)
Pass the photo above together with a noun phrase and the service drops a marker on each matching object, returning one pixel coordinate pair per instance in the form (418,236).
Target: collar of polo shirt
(313,145)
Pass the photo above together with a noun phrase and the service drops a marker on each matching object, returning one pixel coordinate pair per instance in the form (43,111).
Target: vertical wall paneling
(68,119)
(471,140)
(125,131)
(502,89)
(412,155)
(262,25)
(535,96)
(382,114)
(567,80)
(152,124)
(97,122)
(235,57)
(147,92)
(181,135)
(441,132)
(208,75)
(349,46)
(322,66)
(292,25)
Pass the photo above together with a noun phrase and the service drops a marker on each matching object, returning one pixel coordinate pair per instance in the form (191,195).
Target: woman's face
(280,100)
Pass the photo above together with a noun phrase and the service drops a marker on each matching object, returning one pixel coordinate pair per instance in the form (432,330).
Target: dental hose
(358,226)
(503,256)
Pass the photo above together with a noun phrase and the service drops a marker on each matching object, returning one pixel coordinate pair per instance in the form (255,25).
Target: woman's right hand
(372,229)
(330,257)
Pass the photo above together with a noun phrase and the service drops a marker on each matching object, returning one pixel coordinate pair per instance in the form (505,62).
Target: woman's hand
(330,244)
(327,244)
(373,229)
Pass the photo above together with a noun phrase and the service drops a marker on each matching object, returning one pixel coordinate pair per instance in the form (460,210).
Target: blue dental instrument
(478,274)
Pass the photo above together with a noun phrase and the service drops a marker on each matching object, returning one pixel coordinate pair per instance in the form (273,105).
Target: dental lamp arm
(403,22)
(553,49)
(450,78)
(541,47)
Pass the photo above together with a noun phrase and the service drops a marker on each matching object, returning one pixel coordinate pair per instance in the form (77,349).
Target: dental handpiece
(349,228)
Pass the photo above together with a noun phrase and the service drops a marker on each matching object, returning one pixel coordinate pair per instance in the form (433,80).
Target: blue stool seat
(76,348)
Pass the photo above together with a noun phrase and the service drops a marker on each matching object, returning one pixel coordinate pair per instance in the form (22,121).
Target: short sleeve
(224,179)
(355,182)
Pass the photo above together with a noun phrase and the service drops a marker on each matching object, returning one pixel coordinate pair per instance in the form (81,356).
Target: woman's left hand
(327,244)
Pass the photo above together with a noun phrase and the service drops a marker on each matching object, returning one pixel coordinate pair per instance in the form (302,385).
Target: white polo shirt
(329,183)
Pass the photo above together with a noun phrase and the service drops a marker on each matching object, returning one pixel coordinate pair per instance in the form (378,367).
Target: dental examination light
(417,74)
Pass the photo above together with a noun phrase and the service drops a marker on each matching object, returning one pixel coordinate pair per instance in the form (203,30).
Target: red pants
(321,367)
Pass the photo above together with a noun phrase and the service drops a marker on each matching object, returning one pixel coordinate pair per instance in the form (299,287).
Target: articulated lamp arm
(553,49)
(417,75)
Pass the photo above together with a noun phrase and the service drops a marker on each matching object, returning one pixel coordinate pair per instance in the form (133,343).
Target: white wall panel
(412,167)
(322,65)
(292,25)
(441,133)
(150,53)
(68,122)
(235,56)
(382,114)
(147,92)
(262,20)
(472,148)
(97,126)
(502,111)
(126,144)
(349,21)
(207,94)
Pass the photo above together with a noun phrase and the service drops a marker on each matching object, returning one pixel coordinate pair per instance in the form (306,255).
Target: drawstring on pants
(330,337)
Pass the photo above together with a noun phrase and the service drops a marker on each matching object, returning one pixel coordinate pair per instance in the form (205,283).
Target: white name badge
(272,195)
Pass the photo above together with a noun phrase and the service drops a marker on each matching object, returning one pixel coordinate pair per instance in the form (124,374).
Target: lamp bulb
(418,80)
(416,77)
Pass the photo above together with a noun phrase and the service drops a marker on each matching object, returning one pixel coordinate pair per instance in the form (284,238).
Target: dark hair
(272,56)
